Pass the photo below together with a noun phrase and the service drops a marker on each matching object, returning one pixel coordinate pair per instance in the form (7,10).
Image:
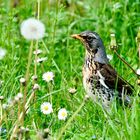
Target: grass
(65,59)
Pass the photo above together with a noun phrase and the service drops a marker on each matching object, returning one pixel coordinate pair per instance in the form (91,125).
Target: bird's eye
(89,38)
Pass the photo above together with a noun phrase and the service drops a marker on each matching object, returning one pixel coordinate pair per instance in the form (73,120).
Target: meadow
(63,57)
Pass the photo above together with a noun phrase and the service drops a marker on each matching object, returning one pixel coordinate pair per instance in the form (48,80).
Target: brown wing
(113,80)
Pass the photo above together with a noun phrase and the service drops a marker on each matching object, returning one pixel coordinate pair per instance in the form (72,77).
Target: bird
(100,80)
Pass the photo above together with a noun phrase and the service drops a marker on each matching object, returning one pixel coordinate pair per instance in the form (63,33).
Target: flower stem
(125,62)
(27,76)
(38,16)
(38,9)
(70,120)
(35,67)
(19,103)
(22,114)
(1,113)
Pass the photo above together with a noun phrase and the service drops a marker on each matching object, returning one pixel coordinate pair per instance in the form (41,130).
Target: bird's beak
(77,36)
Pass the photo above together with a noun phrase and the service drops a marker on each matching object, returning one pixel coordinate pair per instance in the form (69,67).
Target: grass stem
(70,120)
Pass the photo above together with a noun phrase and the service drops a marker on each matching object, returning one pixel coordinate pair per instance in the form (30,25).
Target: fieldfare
(100,80)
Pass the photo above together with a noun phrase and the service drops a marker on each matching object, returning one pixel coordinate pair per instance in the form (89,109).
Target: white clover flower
(32,29)
(109,56)
(62,114)
(48,76)
(2,53)
(46,108)
(138,71)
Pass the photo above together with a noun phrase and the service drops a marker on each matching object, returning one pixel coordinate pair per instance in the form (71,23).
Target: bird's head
(93,44)
(91,40)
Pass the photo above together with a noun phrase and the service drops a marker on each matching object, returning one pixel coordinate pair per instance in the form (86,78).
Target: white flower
(1,97)
(36,87)
(46,131)
(22,80)
(37,51)
(109,56)
(40,60)
(2,53)
(87,97)
(16,98)
(113,35)
(34,77)
(62,114)
(46,108)
(72,90)
(20,95)
(48,76)
(4,106)
(32,29)
(138,71)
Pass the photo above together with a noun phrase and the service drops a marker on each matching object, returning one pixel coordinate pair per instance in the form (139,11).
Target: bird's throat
(97,56)
(89,60)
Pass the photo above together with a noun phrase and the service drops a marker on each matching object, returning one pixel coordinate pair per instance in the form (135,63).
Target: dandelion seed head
(62,114)
(48,76)
(32,29)
(46,108)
